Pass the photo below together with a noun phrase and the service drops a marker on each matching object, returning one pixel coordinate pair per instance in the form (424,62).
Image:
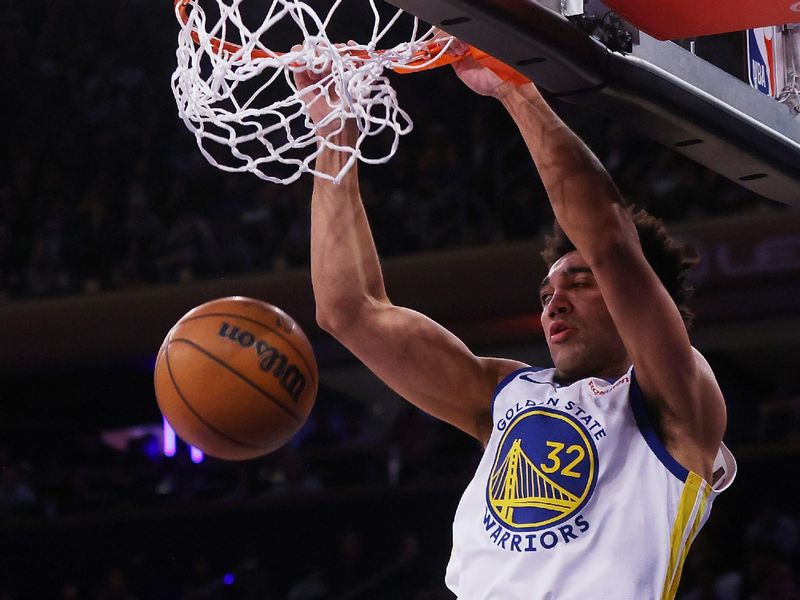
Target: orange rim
(421,61)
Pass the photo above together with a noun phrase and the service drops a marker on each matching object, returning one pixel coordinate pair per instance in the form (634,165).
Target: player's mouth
(559,331)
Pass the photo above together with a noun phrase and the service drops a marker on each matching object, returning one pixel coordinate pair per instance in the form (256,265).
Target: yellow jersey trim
(692,509)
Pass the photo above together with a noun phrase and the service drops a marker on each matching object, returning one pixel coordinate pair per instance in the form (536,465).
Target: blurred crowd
(343,445)
(122,478)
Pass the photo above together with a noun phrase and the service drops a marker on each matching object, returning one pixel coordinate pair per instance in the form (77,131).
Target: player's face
(580,333)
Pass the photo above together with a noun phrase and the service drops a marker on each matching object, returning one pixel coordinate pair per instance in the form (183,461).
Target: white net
(236,92)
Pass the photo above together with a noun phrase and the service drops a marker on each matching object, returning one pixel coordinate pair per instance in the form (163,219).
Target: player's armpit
(674,377)
(692,424)
(426,364)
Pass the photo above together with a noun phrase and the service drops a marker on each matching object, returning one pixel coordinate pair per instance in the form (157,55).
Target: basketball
(236,378)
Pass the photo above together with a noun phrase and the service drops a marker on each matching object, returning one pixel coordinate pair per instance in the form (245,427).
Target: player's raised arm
(419,359)
(676,380)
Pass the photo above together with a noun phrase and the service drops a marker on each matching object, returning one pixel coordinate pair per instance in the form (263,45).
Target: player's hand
(482,73)
(317,91)
(478,78)
(481,80)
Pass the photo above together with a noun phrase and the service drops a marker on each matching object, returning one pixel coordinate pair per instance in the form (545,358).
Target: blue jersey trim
(508,378)
(651,437)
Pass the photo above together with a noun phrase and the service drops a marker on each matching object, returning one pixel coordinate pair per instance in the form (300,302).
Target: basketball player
(598,473)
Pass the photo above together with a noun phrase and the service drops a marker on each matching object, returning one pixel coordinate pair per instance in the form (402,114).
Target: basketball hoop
(238,96)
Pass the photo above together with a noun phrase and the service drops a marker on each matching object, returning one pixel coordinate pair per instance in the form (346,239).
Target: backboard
(584,53)
(675,19)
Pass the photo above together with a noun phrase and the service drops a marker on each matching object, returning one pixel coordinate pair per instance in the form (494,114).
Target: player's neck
(611,373)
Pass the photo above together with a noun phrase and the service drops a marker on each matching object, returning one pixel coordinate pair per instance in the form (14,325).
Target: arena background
(112,226)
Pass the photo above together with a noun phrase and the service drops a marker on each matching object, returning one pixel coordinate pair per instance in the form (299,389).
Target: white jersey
(576,498)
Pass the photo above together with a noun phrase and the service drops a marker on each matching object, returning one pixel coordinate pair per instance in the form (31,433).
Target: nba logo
(764,61)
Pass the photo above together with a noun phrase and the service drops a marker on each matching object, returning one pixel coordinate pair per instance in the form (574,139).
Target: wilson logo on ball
(272,361)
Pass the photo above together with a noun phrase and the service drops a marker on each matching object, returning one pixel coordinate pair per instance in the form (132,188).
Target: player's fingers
(340,47)
(468,63)
(301,75)
(458,48)
(455,46)
(296,50)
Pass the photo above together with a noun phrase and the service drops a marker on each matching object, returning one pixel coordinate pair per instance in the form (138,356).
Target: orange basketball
(236,377)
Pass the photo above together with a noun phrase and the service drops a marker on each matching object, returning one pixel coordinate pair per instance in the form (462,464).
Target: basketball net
(226,79)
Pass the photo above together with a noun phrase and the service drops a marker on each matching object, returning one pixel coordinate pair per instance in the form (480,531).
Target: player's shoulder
(506,368)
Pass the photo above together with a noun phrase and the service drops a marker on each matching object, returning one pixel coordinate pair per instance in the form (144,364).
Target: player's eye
(545,298)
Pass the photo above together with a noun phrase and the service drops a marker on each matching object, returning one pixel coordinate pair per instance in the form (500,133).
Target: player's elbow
(331,318)
(337,316)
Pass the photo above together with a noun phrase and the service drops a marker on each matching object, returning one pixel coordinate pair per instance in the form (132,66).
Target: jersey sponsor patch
(544,472)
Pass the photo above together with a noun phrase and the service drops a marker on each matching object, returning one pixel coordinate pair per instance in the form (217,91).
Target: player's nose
(559,304)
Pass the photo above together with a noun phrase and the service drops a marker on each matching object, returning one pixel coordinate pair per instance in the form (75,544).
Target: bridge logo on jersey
(544,472)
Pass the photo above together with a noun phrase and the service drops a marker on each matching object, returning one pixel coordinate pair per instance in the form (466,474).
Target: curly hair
(670,261)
